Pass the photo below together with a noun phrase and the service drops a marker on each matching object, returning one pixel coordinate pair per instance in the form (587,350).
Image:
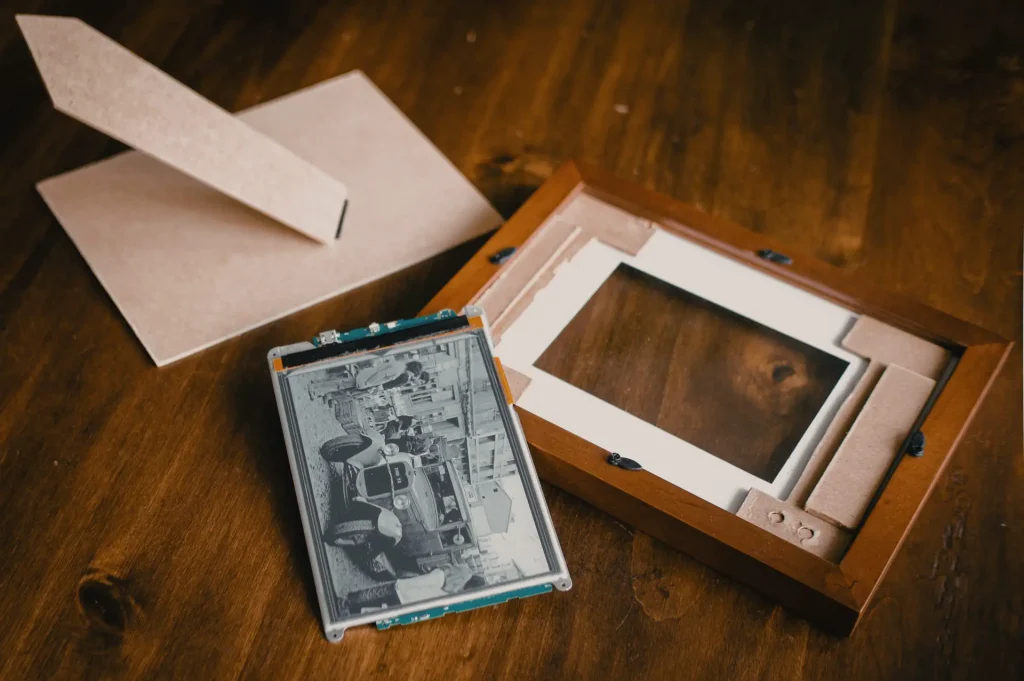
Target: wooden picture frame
(832,595)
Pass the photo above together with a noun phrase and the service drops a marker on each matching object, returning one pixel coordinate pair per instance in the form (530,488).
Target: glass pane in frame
(731,375)
(727,384)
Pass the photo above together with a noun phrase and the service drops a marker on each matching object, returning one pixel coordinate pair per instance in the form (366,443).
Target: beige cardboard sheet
(580,219)
(517,382)
(888,345)
(540,252)
(189,267)
(616,227)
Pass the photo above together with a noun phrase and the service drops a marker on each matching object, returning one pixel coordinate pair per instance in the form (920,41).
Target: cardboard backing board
(190,233)
(189,267)
(834,595)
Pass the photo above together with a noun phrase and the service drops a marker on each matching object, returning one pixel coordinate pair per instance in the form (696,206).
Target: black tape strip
(373,342)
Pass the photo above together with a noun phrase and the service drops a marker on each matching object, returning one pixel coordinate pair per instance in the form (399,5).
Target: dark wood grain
(735,388)
(147,518)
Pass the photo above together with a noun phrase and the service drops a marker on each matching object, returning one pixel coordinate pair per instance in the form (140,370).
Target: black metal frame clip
(624,463)
(502,256)
(774,256)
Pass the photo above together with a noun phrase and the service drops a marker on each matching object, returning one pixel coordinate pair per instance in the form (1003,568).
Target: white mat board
(715,278)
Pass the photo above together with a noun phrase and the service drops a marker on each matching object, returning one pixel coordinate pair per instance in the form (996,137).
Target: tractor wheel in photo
(350,533)
(344,447)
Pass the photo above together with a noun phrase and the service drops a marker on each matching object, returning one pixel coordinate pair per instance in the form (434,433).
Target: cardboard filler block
(795,525)
(846,488)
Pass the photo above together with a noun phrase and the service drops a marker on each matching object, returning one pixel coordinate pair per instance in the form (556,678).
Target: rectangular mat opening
(733,387)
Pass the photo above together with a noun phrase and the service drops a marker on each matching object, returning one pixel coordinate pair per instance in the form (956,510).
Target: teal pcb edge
(434,613)
(380,329)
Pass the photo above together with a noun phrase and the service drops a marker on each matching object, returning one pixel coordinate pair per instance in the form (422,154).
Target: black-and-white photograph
(415,476)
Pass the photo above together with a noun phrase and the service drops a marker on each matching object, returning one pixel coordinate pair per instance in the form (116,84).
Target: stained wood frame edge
(799,580)
(833,596)
(849,289)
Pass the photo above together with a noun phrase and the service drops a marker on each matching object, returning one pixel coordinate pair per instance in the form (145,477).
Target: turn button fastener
(916,446)
(624,463)
(502,256)
(774,256)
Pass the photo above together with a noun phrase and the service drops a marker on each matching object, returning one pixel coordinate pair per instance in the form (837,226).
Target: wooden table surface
(148,524)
